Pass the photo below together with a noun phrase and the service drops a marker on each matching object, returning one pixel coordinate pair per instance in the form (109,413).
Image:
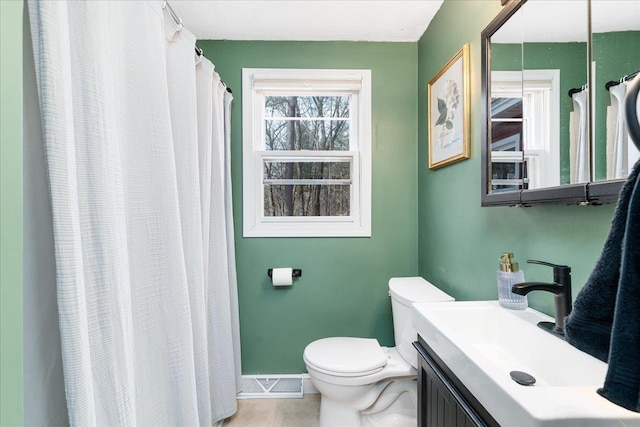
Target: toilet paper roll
(282,277)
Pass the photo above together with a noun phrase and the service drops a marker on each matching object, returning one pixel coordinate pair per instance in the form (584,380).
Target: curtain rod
(622,79)
(173,13)
(178,22)
(577,90)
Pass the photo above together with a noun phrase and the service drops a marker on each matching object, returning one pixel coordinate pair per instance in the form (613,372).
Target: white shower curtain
(579,153)
(136,132)
(621,153)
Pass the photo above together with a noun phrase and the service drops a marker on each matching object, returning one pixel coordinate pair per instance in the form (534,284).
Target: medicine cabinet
(553,80)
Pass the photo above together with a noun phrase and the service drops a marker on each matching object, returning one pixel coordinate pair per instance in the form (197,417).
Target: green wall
(343,288)
(459,242)
(11,217)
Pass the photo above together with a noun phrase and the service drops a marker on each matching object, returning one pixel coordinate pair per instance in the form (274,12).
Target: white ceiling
(307,20)
(567,20)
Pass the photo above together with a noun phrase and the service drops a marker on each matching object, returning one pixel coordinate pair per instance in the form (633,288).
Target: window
(525,140)
(306,153)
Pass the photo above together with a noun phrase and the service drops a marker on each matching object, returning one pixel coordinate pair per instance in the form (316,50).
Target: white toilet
(364,384)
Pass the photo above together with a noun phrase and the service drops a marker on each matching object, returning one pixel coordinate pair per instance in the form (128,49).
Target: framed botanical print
(448,112)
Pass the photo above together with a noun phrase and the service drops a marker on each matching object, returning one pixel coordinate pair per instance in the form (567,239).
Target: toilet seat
(346,356)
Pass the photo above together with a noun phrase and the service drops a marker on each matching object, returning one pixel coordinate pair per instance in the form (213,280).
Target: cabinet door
(440,402)
(439,407)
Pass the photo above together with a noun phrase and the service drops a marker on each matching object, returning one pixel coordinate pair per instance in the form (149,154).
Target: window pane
(307,200)
(506,108)
(307,106)
(331,135)
(506,136)
(307,170)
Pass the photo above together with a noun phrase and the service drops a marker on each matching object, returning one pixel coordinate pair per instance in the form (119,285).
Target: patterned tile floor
(277,412)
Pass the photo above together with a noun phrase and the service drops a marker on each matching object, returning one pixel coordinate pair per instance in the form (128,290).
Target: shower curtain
(137,143)
(579,153)
(621,153)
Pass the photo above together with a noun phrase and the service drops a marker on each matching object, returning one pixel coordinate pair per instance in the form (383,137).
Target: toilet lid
(346,356)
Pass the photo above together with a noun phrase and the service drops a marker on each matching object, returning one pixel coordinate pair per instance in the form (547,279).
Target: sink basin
(482,343)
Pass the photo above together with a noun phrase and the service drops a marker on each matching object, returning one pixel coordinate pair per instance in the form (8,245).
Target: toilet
(362,384)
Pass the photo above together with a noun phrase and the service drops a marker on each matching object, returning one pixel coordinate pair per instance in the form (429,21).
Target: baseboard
(276,386)
(307,385)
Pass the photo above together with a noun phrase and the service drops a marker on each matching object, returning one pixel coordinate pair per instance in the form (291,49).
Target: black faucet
(561,288)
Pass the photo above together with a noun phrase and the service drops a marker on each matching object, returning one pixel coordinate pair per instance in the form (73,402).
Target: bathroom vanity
(443,400)
(468,351)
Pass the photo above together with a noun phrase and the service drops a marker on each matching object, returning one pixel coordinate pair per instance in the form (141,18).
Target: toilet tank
(404,291)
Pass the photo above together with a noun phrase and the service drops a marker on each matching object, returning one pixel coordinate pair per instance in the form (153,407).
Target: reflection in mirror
(506,145)
(537,57)
(506,115)
(616,59)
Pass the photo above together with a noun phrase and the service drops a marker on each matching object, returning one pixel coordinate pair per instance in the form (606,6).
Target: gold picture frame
(448,112)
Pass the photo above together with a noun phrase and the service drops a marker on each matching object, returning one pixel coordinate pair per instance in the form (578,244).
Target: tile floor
(277,412)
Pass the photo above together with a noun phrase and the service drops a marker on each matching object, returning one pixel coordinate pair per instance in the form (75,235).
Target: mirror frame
(591,193)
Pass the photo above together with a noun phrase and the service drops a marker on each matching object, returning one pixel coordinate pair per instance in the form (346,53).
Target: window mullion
(307,155)
(293,181)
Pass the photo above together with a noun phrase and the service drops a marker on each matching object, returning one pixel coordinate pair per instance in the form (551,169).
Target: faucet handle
(548,264)
(561,273)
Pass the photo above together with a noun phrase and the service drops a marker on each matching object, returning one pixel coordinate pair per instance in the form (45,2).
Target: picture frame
(448,112)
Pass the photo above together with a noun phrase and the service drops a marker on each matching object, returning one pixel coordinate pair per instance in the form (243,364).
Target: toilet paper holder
(296,272)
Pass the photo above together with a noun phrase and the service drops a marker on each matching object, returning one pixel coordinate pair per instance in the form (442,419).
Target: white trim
(307,156)
(357,83)
(507,157)
(307,385)
(306,80)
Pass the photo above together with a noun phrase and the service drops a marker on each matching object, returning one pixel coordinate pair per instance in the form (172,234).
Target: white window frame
(258,82)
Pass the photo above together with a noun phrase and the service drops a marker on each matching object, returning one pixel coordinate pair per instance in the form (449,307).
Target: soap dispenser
(508,275)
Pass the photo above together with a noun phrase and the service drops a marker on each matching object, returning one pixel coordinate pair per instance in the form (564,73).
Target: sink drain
(522,378)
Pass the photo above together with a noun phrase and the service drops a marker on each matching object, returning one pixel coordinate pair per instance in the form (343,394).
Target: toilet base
(385,404)
(338,414)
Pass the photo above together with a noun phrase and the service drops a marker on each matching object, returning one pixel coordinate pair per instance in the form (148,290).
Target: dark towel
(622,385)
(606,316)
(589,325)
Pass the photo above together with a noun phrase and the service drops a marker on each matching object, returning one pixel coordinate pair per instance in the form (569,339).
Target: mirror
(540,143)
(615,41)
(537,135)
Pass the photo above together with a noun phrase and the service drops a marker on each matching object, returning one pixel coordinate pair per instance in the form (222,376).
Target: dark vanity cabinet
(443,401)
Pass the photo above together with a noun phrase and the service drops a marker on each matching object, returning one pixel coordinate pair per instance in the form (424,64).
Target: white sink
(482,343)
